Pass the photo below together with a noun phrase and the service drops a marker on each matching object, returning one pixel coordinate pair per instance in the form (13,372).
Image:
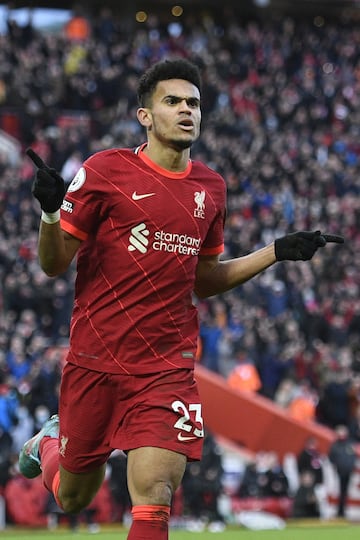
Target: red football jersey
(143,228)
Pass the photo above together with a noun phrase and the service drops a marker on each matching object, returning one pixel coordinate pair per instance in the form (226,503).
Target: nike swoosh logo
(182,437)
(136,197)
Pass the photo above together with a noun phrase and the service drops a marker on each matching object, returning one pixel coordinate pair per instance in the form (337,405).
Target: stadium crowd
(281,107)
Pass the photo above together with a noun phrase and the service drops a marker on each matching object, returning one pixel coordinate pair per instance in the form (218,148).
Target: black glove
(48,186)
(301,246)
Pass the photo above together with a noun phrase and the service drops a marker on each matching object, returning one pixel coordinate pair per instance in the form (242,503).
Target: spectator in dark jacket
(310,459)
(202,484)
(343,456)
(305,500)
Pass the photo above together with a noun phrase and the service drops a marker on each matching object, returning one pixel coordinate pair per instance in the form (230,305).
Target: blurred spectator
(23,429)
(105,26)
(44,383)
(264,477)
(303,404)
(354,396)
(285,392)
(278,484)
(334,404)
(343,456)
(118,486)
(71,166)
(244,375)
(9,404)
(305,503)
(310,459)
(210,334)
(41,414)
(273,366)
(5,457)
(354,425)
(250,485)
(18,362)
(202,485)
(78,29)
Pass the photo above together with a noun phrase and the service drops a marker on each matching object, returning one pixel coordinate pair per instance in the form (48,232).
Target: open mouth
(186,124)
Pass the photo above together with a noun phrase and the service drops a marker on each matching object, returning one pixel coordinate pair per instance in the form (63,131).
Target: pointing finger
(334,238)
(36,158)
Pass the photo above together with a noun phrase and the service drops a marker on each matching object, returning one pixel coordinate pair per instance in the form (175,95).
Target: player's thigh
(154,474)
(76,490)
(86,419)
(164,411)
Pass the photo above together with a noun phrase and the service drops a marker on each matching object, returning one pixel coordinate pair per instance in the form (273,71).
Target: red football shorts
(100,412)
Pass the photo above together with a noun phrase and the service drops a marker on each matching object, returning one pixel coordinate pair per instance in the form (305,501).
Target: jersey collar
(161,170)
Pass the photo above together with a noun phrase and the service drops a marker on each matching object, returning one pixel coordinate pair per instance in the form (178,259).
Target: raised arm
(215,277)
(56,248)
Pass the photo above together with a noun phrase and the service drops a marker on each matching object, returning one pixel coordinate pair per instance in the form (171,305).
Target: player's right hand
(48,186)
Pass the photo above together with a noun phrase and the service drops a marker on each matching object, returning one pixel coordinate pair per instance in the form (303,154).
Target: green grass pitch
(300,531)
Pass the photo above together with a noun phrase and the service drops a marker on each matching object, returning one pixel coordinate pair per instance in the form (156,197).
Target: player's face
(174,114)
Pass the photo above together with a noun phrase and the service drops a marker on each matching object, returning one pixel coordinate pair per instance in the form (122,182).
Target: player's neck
(166,157)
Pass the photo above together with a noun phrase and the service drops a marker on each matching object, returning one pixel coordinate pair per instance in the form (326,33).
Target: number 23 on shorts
(191,415)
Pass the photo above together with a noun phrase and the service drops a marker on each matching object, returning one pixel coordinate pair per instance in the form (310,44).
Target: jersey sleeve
(83,203)
(214,241)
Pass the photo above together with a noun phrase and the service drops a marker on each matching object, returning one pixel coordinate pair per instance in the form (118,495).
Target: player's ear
(144,117)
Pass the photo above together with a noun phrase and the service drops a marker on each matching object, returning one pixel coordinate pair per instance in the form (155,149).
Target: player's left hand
(302,245)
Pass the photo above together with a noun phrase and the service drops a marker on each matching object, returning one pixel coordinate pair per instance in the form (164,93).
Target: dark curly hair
(163,71)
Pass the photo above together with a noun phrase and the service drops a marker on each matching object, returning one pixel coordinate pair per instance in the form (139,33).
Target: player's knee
(164,492)
(74,503)
(159,492)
